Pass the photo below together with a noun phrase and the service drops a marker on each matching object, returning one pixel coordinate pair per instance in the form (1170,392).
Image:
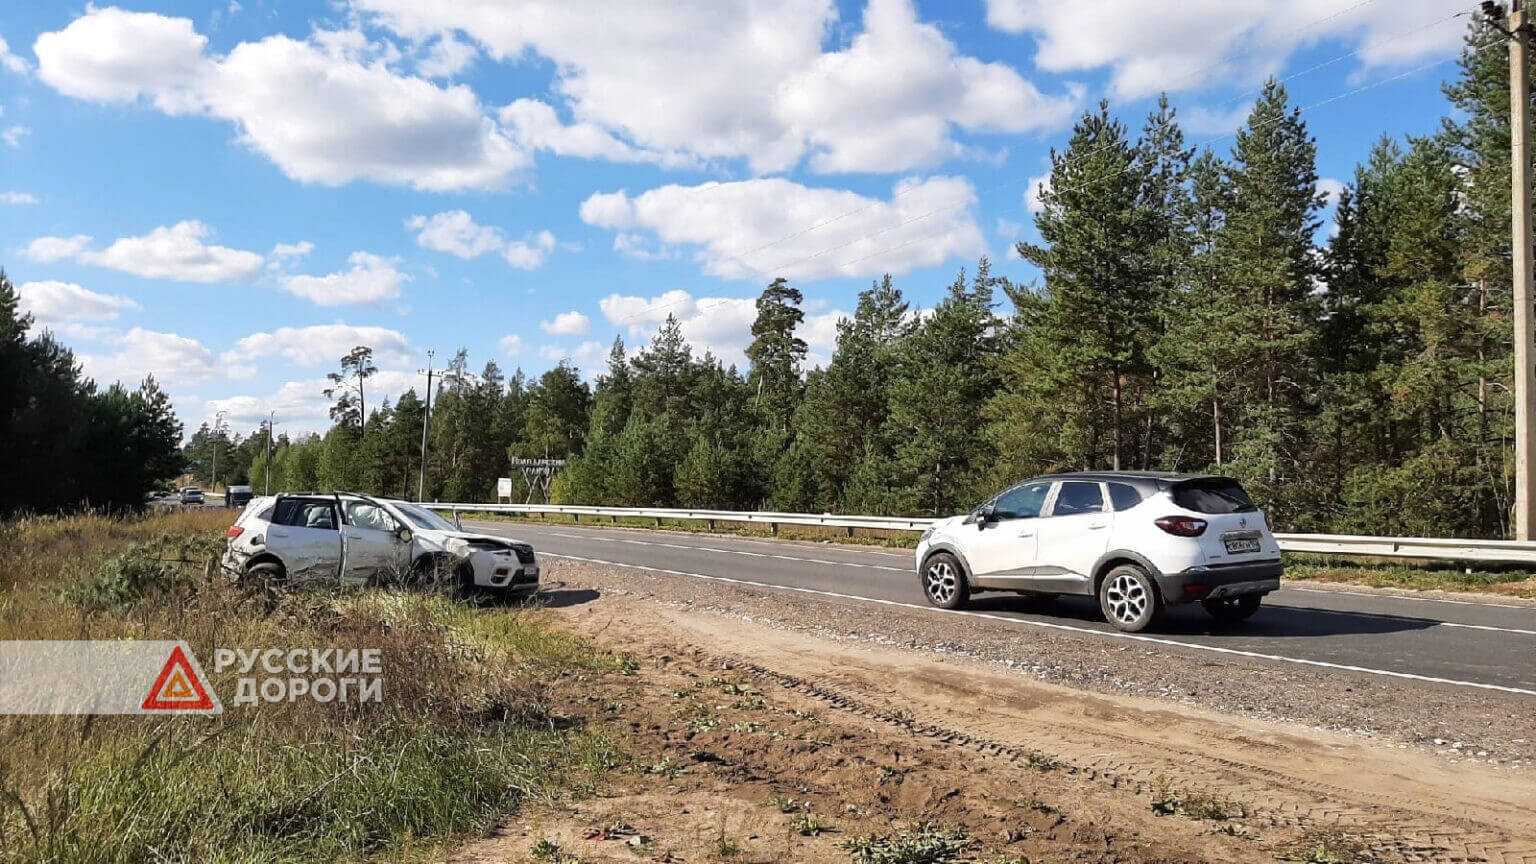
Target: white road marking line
(1108,634)
(1409,597)
(635,542)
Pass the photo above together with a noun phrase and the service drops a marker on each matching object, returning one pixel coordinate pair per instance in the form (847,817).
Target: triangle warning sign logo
(177,687)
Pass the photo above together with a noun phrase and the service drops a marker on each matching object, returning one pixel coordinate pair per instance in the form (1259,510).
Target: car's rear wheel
(265,572)
(1129,599)
(1230,610)
(944,582)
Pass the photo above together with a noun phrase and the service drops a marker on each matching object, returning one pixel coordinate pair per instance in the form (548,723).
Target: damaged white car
(357,539)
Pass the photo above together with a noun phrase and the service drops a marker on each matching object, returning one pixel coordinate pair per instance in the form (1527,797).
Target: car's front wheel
(1128,598)
(944,582)
(1230,610)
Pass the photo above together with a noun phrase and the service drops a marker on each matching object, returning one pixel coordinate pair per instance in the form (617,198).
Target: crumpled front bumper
(501,569)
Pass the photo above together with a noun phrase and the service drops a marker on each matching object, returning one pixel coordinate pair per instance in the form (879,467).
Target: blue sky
(230,195)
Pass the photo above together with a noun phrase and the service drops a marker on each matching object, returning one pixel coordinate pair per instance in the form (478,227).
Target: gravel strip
(1460,724)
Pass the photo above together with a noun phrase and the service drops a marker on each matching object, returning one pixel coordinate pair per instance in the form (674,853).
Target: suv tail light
(234,531)
(1182,526)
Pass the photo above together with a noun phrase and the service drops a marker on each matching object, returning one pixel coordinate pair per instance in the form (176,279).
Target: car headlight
(927,532)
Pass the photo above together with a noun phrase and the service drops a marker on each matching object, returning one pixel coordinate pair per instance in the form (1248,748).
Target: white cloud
(511,345)
(567,324)
(1149,47)
(292,251)
(1218,120)
(109,55)
(12,135)
(321,345)
(371,279)
(738,79)
(641,248)
(720,325)
(446,57)
(889,102)
(302,406)
(176,253)
(10,60)
(328,110)
(1008,228)
(924,223)
(52,302)
(17,198)
(173,359)
(535,126)
(456,233)
(531,252)
(1037,185)
(47,249)
(1330,187)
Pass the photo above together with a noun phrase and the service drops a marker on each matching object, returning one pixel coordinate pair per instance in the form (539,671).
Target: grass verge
(463,734)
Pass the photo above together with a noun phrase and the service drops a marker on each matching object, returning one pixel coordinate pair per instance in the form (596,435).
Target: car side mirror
(984,517)
(403,534)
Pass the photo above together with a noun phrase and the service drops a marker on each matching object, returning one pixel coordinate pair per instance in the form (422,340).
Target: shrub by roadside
(463,734)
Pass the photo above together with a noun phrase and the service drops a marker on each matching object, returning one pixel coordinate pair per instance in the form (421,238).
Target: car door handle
(1096,526)
(1026,534)
(276,533)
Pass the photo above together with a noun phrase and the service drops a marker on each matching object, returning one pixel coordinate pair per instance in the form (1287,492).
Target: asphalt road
(1441,642)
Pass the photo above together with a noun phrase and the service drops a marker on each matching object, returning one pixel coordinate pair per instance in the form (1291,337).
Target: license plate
(1237,547)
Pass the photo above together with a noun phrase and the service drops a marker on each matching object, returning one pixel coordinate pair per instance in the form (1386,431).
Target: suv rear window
(1212,495)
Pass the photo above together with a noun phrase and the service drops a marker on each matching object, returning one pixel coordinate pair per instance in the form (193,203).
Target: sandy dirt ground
(753,743)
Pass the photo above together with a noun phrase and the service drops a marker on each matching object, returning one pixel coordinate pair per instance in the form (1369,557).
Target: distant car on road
(1138,541)
(358,539)
(191,495)
(238,496)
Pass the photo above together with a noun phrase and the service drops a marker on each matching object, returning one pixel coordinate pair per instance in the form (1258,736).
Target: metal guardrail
(1445,549)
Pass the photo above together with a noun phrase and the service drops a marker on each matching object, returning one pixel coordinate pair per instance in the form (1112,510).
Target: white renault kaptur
(358,540)
(1138,541)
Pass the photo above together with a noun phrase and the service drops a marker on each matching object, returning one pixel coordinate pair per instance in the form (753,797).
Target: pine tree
(776,353)
(1110,254)
(944,375)
(1268,266)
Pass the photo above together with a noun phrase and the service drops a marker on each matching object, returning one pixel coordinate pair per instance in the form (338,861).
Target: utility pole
(1519,33)
(426,422)
(218,420)
(271,418)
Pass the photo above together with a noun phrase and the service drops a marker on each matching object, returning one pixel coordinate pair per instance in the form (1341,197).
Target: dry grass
(464,732)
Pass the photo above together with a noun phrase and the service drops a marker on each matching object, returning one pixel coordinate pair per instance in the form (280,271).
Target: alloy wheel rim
(940,582)
(1127,598)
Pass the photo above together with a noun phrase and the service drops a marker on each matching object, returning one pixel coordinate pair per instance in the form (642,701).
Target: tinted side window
(305,513)
(1023,502)
(1078,496)
(1213,495)
(1123,496)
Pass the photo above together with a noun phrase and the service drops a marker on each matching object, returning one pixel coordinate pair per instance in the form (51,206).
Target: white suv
(357,539)
(1139,541)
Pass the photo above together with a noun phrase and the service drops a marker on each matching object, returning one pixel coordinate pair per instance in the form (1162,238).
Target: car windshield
(423,518)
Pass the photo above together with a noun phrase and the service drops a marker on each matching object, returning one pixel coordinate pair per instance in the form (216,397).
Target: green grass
(926,844)
(465,732)
(1417,577)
